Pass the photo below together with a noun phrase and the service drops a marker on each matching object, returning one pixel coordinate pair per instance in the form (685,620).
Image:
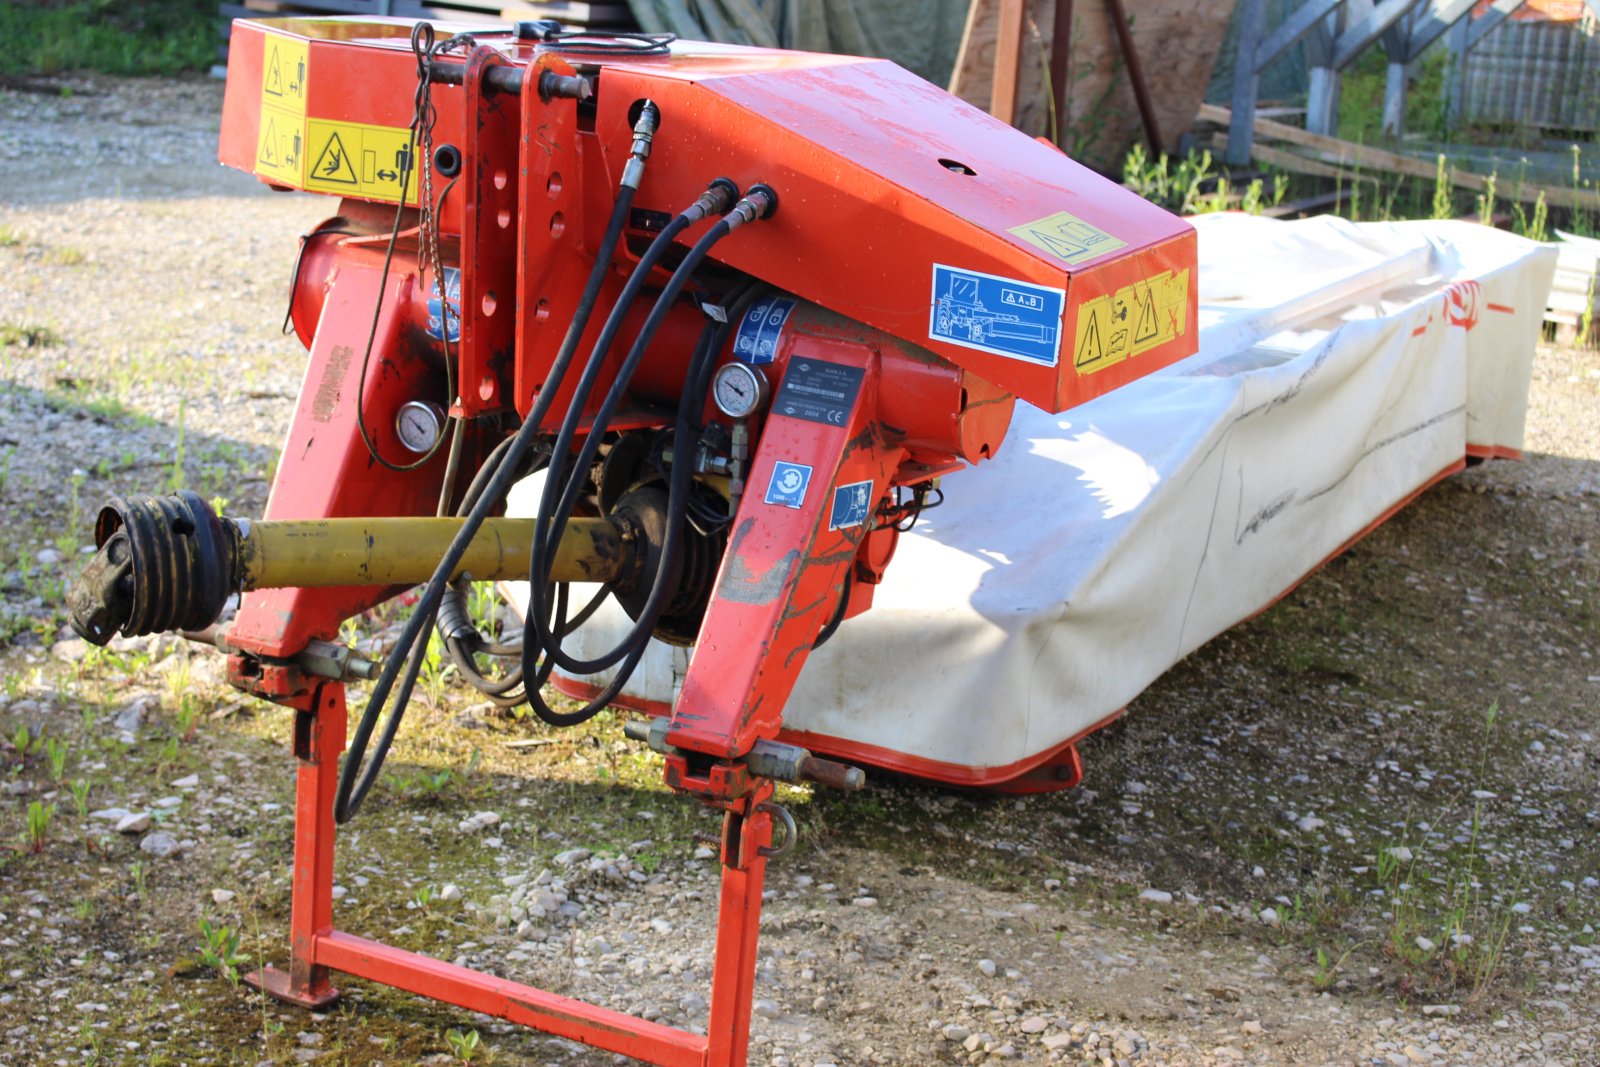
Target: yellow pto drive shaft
(170,563)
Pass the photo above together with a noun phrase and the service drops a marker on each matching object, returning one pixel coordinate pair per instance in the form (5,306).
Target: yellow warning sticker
(1068,238)
(283,72)
(1131,321)
(280,142)
(353,159)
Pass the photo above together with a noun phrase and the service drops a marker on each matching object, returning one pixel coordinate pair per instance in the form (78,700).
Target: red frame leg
(316,948)
(319,729)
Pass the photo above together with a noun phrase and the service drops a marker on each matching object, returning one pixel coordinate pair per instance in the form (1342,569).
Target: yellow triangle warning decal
(273,83)
(1090,349)
(1158,308)
(1149,329)
(268,153)
(333,163)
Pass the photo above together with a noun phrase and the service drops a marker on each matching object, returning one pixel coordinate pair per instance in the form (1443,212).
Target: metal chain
(424,115)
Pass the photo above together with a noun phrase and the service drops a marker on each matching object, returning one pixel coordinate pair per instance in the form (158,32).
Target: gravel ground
(1358,829)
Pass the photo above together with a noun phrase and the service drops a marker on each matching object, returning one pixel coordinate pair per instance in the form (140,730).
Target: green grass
(27,335)
(110,36)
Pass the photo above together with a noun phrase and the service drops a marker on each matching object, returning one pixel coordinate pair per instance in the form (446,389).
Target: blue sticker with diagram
(1002,316)
(851,505)
(756,340)
(788,485)
(436,313)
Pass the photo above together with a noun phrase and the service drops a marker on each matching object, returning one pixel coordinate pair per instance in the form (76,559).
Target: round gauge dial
(419,424)
(739,390)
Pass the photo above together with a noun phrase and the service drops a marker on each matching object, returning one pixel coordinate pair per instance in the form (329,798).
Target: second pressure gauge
(419,424)
(739,390)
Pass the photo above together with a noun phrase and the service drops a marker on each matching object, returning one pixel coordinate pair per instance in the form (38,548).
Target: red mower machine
(739,308)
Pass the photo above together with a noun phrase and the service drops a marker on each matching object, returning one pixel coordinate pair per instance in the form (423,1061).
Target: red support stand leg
(316,947)
(746,834)
(319,728)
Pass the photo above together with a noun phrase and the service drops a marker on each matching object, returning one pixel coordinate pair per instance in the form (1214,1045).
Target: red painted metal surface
(325,470)
(859,149)
(882,181)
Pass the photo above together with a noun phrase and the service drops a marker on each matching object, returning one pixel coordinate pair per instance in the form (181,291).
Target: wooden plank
(1311,204)
(1347,152)
(1296,164)
(1007,61)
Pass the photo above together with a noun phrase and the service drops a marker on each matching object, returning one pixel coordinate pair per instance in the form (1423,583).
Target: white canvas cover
(1342,368)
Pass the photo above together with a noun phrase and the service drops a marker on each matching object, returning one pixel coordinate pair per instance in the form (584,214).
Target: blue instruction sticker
(757,338)
(999,315)
(788,485)
(436,315)
(851,505)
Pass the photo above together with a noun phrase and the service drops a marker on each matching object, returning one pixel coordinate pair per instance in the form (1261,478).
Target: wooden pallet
(1575,293)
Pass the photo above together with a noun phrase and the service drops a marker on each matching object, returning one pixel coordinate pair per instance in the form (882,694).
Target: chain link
(424,116)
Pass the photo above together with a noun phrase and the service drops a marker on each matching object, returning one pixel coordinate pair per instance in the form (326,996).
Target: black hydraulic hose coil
(354,780)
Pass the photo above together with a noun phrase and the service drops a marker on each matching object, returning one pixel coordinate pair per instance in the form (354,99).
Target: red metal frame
(316,947)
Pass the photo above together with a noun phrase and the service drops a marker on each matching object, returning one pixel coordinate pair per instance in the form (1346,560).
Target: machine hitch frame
(317,947)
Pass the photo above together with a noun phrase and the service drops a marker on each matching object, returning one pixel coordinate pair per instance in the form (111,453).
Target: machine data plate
(818,391)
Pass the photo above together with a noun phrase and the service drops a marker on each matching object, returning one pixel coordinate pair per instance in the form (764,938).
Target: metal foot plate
(276,983)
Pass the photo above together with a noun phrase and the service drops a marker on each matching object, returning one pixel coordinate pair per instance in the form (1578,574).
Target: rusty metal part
(766,759)
(507,80)
(791,832)
(322,659)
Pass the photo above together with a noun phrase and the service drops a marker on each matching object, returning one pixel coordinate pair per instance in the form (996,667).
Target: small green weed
(188,717)
(1443,201)
(464,1046)
(1486,200)
(39,816)
(220,949)
(25,335)
(1327,969)
(1178,187)
(56,753)
(80,797)
(66,256)
(1534,227)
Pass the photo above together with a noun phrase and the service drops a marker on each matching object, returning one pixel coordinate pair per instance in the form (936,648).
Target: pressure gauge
(739,390)
(419,424)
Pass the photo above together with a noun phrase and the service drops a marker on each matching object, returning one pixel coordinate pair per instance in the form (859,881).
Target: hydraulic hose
(355,781)
(561,488)
(631,648)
